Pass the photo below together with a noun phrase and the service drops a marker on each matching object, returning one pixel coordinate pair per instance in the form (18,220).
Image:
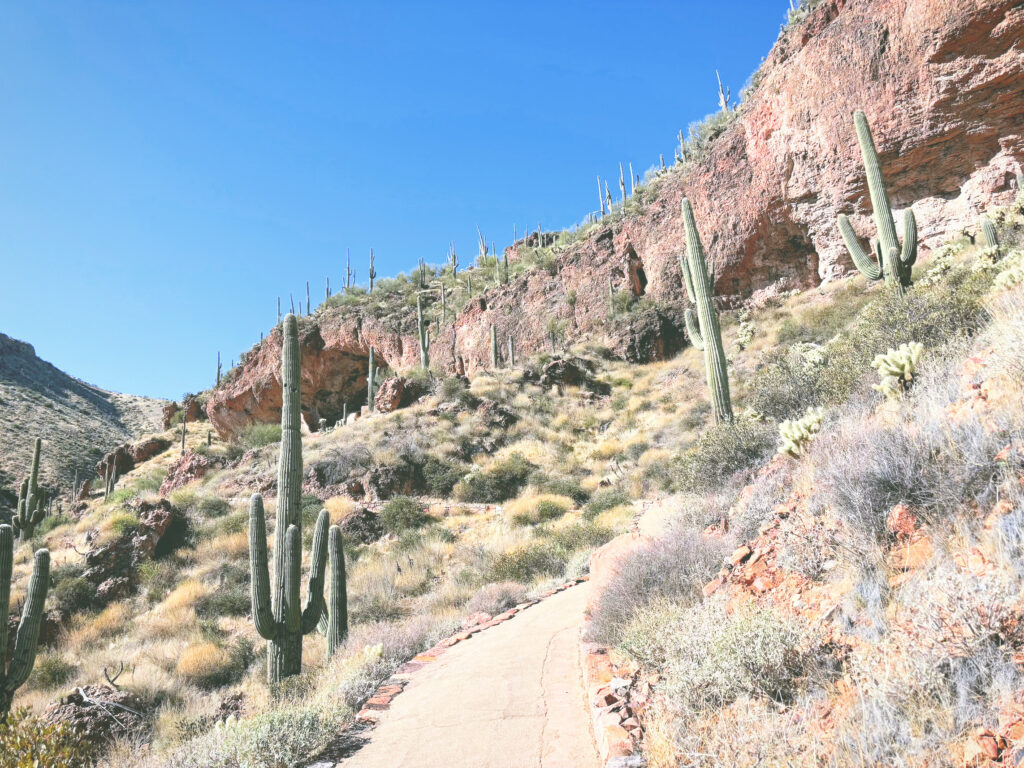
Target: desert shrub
(500,481)
(27,742)
(936,466)
(441,475)
(208,665)
(257,435)
(281,737)
(70,591)
(532,509)
(723,451)
(675,568)
(604,500)
(496,598)
(786,381)
(122,523)
(527,562)
(403,513)
(375,651)
(226,600)
(157,576)
(338,465)
(757,505)
(211,506)
(51,670)
(709,656)
(560,486)
(578,536)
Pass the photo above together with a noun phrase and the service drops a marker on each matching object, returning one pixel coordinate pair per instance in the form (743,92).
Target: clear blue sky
(167,169)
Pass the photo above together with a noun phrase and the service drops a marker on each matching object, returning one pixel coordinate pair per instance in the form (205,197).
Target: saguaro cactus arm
(262,615)
(315,604)
(693,331)
(867,266)
(292,613)
(337,609)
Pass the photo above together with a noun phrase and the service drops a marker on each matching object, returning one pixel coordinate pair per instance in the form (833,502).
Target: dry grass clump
(534,508)
(206,665)
(108,623)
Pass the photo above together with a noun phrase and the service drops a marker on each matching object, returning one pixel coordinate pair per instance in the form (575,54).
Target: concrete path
(511,697)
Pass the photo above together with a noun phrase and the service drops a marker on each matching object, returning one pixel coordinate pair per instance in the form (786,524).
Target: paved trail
(512,697)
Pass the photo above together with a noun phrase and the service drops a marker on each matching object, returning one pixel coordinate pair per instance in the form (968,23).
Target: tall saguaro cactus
(704,332)
(892,261)
(424,335)
(370,376)
(337,605)
(276,610)
(30,500)
(24,656)
(372,272)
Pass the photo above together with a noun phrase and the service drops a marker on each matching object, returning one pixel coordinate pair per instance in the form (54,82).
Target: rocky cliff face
(942,82)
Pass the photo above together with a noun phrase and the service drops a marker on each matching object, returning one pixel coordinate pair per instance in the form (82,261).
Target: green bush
(27,742)
(529,561)
(257,435)
(51,670)
(124,523)
(560,486)
(501,481)
(722,452)
(604,500)
(70,591)
(403,513)
(441,475)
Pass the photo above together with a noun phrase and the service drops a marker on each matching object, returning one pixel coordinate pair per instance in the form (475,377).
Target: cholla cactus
(797,433)
(24,654)
(891,261)
(745,330)
(896,368)
(1011,270)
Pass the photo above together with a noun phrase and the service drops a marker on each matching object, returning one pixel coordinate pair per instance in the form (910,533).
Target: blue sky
(167,169)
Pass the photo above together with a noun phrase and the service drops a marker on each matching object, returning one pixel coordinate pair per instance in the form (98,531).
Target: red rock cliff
(942,82)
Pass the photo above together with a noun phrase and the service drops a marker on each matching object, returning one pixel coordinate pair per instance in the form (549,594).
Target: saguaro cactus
(988,233)
(30,500)
(892,261)
(511,351)
(704,333)
(424,335)
(14,674)
(370,374)
(494,347)
(337,606)
(373,272)
(276,611)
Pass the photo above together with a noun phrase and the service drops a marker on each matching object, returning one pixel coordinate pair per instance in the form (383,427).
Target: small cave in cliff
(637,276)
(338,386)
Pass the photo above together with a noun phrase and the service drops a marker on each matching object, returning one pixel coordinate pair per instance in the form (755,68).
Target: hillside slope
(77,421)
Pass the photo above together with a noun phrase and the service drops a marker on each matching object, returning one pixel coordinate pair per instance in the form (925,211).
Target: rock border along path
(350,742)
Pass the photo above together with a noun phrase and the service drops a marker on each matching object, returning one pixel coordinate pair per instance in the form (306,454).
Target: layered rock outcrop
(942,83)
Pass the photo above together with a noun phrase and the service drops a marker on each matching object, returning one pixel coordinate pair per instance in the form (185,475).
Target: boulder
(190,467)
(397,392)
(100,713)
(362,525)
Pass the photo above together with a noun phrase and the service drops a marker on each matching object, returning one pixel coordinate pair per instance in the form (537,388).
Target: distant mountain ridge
(78,422)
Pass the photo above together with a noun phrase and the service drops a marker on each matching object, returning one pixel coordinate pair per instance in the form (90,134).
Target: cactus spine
(494,347)
(424,335)
(370,374)
(704,332)
(275,608)
(892,261)
(30,499)
(24,655)
(337,606)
